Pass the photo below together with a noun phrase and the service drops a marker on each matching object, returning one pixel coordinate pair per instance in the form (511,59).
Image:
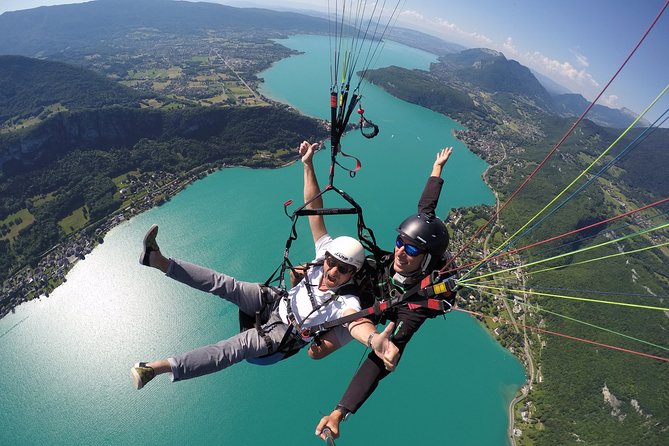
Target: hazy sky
(578,43)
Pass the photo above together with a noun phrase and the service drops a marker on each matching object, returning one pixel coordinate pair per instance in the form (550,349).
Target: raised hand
(385,349)
(442,158)
(307,151)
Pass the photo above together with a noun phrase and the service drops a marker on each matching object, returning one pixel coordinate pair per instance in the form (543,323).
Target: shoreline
(82,242)
(74,247)
(523,392)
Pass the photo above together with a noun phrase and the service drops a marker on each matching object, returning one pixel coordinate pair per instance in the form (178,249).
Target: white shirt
(300,303)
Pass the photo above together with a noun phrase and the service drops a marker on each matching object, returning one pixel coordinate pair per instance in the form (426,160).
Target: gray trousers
(249,297)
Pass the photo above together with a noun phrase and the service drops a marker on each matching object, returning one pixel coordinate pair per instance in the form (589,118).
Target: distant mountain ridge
(550,85)
(425,42)
(491,71)
(59,28)
(47,30)
(574,104)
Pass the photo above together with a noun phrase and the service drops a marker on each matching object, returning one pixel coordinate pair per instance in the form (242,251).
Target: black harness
(433,292)
(296,337)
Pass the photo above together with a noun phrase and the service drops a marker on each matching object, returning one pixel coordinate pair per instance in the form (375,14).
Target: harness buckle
(305,334)
(452,284)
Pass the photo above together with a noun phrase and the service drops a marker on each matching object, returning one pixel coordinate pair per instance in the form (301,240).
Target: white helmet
(348,250)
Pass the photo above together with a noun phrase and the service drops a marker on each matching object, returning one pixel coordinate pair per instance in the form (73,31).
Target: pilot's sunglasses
(343,268)
(411,250)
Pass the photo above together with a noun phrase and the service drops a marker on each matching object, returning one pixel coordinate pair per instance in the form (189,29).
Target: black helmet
(428,233)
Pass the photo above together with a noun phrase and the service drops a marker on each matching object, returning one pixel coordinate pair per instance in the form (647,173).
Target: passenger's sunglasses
(411,250)
(343,268)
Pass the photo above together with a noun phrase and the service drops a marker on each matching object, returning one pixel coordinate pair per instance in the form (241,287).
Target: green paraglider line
(562,140)
(543,310)
(598,258)
(557,237)
(574,181)
(589,248)
(562,296)
(555,333)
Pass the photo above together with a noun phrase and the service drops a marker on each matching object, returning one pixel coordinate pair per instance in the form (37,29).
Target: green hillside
(28,87)
(580,392)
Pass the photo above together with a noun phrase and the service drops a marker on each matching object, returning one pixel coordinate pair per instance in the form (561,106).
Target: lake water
(66,358)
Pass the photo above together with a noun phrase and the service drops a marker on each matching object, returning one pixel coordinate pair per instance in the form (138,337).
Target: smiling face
(403,263)
(335,273)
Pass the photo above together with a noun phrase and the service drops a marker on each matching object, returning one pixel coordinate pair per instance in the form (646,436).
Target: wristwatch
(344,412)
(369,339)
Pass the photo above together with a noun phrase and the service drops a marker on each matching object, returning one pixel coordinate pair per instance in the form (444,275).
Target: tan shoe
(142,374)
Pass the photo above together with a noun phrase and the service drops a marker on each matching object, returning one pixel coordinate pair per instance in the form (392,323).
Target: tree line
(81,173)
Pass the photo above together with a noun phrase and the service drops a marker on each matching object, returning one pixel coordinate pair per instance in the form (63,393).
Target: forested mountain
(29,85)
(73,157)
(574,104)
(491,71)
(72,131)
(265,128)
(48,30)
(420,87)
(62,170)
(646,171)
(578,391)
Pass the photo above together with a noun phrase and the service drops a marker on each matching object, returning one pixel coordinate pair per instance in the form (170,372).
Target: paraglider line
(631,146)
(557,237)
(571,129)
(583,299)
(599,258)
(543,310)
(574,338)
(666,88)
(589,248)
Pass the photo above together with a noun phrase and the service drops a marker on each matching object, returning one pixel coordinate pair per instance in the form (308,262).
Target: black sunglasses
(411,250)
(342,267)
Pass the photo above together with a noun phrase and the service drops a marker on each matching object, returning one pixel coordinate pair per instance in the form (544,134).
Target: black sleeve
(430,197)
(372,370)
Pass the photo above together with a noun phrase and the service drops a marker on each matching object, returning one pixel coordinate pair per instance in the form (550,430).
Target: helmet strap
(425,263)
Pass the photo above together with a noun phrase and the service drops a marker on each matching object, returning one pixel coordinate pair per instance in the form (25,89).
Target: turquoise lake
(67,357)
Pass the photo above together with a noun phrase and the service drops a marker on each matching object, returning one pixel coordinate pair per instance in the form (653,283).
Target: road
(517,325)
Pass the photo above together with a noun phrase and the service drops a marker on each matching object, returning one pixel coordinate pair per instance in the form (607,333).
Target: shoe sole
(145,256)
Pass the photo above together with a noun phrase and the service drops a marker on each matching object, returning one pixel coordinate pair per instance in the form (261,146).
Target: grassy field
(41,200)
(48,111)
(75,221)
(15,223)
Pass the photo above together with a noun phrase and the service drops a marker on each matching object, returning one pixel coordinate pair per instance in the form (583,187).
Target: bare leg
(160,367)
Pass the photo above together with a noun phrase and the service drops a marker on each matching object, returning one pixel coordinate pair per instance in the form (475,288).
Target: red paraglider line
(557,237)
(543,162)
(574,338)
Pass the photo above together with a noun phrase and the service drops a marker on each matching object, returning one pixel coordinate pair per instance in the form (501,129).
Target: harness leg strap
(261,332)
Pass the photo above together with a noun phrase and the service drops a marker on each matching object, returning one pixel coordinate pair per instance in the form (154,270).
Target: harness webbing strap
(432,304)
(376,309)
(326,211)
(263,334)
(424,288)
(447,287)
